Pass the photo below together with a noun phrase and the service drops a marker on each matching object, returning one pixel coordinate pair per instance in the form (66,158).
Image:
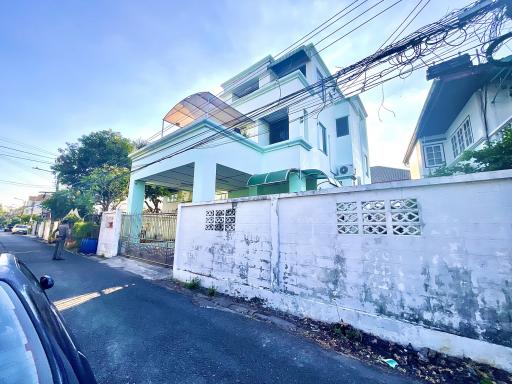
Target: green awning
(269,178)
(282,176)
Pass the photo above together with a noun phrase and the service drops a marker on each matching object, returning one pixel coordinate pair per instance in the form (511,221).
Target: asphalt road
(134,331)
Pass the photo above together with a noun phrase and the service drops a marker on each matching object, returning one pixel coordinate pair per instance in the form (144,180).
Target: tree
(495,156)
(61,202)
(153,193)
(94,150)
(107,184)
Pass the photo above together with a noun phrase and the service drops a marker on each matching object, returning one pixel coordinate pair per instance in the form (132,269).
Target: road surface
(134,331)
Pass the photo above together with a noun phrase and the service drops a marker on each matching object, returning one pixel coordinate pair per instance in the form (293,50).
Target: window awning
(282,176)
(205,105)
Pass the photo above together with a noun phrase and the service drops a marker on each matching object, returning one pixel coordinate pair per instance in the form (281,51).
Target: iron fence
(149,236)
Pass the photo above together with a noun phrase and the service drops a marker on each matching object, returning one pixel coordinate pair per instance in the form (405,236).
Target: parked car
(8,227)
(35,344)
(20,229)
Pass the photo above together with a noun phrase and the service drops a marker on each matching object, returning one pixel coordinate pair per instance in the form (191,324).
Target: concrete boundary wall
(424,262)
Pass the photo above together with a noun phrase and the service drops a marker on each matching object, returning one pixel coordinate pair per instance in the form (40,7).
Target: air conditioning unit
(346,170)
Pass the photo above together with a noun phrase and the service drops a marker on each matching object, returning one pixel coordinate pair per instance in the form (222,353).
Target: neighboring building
(386,174)
(467,106)
(218,147)
(33,205)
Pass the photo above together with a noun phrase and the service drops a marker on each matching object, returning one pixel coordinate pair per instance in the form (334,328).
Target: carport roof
(203,105)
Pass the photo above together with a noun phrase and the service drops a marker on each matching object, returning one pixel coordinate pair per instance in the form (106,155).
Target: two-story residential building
(467,106)
(276,127)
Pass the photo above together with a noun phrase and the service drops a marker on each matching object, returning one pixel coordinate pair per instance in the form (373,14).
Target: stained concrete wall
(110,229)
(448,288)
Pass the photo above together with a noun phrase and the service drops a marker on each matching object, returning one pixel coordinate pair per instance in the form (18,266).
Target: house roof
(447,96)
(386,174)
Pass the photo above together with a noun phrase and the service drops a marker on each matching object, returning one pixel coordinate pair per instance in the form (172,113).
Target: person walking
(64,233)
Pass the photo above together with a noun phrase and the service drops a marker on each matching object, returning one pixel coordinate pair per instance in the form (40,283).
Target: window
(342,126)
(434,155)
(278,130)
(21,352)
(366,168)
(247,88)
(462,138)
(322,145)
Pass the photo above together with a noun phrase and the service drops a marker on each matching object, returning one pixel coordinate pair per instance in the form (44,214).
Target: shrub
(85,229)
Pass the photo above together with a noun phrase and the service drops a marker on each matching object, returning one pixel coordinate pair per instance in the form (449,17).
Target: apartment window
(462,138)
(278,126)
(342,126)
(322,145)
(247,88)
(434,156)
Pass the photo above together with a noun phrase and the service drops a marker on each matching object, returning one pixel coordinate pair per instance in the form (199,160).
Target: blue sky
(72,67)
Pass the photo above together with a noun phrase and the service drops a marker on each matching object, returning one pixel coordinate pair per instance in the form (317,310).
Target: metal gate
(149,236)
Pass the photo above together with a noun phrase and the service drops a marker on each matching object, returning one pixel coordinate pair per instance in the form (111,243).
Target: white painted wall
(110,229)
(448,289)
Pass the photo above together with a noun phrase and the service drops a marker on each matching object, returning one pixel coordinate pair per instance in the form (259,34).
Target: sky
(68,68)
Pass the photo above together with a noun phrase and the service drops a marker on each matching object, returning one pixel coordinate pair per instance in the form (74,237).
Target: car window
(22,357)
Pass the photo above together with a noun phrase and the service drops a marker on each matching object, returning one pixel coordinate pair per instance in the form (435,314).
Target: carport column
(136,195)
(205,173)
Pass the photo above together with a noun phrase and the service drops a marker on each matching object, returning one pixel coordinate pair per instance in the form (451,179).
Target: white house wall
(446,288)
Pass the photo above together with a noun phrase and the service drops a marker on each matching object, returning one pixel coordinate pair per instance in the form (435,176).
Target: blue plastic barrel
(88,246)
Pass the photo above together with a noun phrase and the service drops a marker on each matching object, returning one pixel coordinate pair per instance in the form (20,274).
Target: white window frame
(434,145)
(462,138)
(322,138)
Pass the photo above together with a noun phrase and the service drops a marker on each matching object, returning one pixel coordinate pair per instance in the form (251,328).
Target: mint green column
(296,183)
(136,195)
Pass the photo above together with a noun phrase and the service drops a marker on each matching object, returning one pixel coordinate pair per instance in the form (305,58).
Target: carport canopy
(282,176)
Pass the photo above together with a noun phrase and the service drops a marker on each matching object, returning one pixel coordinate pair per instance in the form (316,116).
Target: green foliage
(72,218)
(212,291)
(195,283)
(61,202)
(93,150)
(494,156)
(85,229)
(153,193)
(15,220)
(25,219)
(107,184)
